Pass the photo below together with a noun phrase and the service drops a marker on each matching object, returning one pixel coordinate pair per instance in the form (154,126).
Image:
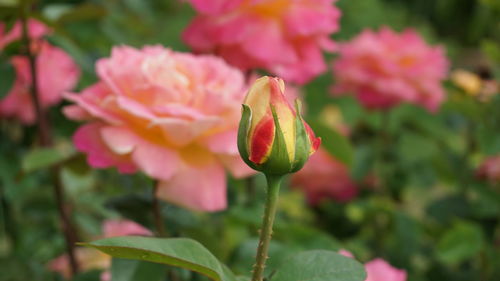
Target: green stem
(273,189)
(158,219)
(46,141)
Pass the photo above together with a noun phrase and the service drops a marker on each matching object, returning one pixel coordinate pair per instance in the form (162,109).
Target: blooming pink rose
(490,169)
(286,37)
(385,69)
(173,116)
(36,30)
(89,259)
(379,270)
(57,73)
(325,177)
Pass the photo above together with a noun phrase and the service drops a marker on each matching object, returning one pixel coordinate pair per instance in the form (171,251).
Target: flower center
(272,8)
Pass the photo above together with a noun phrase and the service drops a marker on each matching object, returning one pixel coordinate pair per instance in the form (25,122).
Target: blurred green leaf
(446,208)
(135,270)
(7,77)
(40,158)
(86,11)
(320,265)
(335,143)
(178,252)
(306,238)
(414,148)
(9,3)
(91,275)
(461,242)
(364,158)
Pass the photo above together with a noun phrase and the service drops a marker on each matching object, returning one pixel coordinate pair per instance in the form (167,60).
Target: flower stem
(273,188)
(46,141)
(41,118)
(158,220)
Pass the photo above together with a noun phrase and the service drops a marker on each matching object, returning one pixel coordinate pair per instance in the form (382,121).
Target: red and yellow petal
(261,141)
(286,114)
(314,141)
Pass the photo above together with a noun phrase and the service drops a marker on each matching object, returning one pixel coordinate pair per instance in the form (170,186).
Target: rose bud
(272,137)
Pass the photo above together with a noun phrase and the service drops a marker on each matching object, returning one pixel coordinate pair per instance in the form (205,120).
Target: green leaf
(302,142)
(243,129)
(461,242)
(178,252)
(7,77)
(134,270)
(320,265)
(40,158)
(335,143)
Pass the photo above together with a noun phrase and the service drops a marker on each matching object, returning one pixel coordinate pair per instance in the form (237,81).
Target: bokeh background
(406,185)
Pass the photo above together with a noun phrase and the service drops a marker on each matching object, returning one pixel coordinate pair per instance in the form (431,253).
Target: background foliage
(428,214)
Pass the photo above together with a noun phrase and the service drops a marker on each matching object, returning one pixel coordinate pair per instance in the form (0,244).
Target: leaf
(320,265)
(335,143)
(178,252)
(40,158)
(91,275)
(7,77)
(9,3)
(134,270)
(461,242)
(363,161)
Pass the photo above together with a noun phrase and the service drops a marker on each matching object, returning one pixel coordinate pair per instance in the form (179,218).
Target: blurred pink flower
(490,169)
(384,69)
(57,72)
(379,270)
(89,259)
(325,177)
(286,37)
(173,116)
(112,228)
(36,30)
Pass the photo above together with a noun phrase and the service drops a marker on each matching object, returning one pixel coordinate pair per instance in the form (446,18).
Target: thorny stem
(46,141)
(273,183)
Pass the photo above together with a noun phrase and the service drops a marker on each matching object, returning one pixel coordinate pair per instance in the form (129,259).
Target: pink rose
(379,270)
(57,73)
(384,69)
(325,177)
(89,259)
(286,37)
(173,116)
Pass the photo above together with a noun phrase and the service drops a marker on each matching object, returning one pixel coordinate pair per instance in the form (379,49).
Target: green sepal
(243,131)
(278,162)
(302,142)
